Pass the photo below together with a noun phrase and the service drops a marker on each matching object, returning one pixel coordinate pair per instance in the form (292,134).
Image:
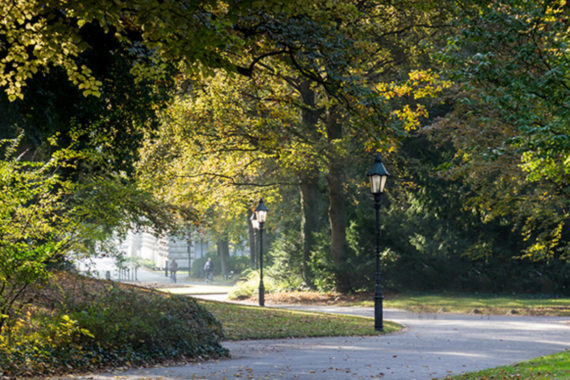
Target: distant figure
(173,268)
(208,270)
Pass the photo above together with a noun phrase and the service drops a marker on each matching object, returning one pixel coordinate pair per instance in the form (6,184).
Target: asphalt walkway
(102,267)
(431,346)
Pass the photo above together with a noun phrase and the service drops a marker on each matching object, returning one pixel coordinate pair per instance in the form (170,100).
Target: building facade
(159,250)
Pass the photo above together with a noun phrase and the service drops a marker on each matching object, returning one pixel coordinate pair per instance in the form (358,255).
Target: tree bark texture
(224,253)
(308,185)
(253,250)
(337,205)
(309,194)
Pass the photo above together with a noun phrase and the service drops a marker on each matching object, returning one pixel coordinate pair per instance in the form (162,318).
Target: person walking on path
(208,270)
(173,268)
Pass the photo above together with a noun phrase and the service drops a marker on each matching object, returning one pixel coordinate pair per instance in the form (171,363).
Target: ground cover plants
(77,324)
(555,366)
(251,322)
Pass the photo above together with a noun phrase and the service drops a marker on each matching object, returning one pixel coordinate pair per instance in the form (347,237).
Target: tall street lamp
(378,175)
(260,215)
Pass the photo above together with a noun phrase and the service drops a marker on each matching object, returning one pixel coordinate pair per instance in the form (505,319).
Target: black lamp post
(378,175)
(260,215)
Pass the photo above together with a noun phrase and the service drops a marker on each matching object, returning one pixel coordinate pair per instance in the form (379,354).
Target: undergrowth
(78,324)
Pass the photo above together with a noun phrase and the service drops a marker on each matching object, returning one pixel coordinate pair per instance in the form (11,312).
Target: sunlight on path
(187,290)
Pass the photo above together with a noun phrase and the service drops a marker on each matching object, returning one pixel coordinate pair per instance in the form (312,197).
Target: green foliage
(237,264)
(140,262)
(248,285)
(46,218)
(511,123)
(112,123)
(322,85)
(81,324)
(35,342)
(432,237)
(135,328)
(321,264)
(197,270)
(40,35)
(33,227)
(428,253)
(517,63)
(286,261)
(438,240)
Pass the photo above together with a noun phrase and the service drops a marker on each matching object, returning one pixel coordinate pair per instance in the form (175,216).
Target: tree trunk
(309,194)
(224,253)
(308,185)
(337,206)
(253,250)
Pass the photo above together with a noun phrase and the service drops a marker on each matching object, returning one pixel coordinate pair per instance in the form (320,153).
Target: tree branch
(248,71)
(236,183)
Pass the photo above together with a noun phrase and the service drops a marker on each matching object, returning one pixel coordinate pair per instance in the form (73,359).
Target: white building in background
(157,251)
(161,249)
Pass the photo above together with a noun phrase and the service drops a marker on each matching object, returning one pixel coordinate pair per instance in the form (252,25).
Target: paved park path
(430,346)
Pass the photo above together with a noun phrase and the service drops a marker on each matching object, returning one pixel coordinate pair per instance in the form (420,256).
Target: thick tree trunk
(224,253)
(337,219)
(308,185)
(337,206)
(309,194)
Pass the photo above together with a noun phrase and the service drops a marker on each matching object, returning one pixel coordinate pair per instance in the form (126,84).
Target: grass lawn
(439,302)
(252,322)
(555,366)
(482,304)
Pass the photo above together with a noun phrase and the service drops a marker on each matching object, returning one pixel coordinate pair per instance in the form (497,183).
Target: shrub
(83,323)
(135,328)
(249,285)
(321,264)
(286,269)
(34,342)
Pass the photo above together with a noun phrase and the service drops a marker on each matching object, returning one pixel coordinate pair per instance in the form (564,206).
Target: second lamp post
(378,175)
(260,216)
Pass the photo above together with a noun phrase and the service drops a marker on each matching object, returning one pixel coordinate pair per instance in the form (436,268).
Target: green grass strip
(549,367)
(241,322)
(477,303)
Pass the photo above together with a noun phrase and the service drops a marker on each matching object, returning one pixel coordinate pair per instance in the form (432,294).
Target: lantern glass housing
(378,176)
(261,212)
(377,183)
(254,222)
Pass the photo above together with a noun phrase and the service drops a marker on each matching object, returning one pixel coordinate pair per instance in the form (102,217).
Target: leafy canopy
(511,127)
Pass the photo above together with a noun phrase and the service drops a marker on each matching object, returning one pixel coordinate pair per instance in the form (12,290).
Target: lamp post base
(261,295)
(378,320)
